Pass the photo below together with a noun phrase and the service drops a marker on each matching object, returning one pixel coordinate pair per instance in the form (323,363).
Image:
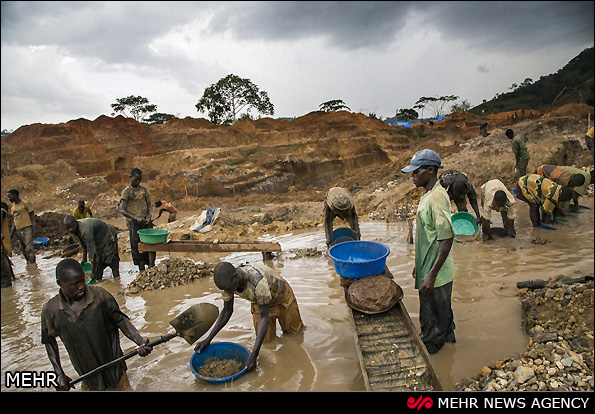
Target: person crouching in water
(271,299)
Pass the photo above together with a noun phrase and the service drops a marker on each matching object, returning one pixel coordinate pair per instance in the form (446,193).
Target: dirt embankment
(274,172)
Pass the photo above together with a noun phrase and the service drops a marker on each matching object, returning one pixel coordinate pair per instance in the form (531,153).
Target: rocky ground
(559,357)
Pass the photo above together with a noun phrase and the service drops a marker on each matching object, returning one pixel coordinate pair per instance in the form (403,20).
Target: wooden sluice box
(195,246)
(391,353)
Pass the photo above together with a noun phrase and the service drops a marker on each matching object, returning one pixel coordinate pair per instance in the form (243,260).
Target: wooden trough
(172,246)
(391,353)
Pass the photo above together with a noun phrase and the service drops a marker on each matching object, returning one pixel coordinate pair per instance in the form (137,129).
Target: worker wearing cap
(338,203)
(434,267)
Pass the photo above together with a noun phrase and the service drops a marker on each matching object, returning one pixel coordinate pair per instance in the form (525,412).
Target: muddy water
(324,357)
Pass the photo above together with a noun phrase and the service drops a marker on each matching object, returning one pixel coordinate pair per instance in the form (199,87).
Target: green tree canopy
(435,103)
(333,105)
(404,115)
(158,118)
(137,106)
(226,99)
(464,106)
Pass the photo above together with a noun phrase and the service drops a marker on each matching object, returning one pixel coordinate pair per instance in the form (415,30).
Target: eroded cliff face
(196,163)
(195,157)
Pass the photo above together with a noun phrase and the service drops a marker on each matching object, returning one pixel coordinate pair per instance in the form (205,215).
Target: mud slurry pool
(324,357)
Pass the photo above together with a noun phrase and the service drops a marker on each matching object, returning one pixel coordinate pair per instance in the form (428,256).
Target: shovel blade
(195,321)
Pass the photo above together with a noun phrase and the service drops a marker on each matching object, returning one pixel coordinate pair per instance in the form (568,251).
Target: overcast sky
(70,60)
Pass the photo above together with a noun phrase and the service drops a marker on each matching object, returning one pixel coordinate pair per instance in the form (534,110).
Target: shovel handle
(162,339)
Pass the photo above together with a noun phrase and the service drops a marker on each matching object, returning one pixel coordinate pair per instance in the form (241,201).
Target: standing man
(271,298)
(496,197)
(542,194)
(98,242)
(7,272)
(459,189)
(23,224)
(82,211)
(338,203)
(520,151)
(137,208)
(87,319)
(434,267)
(163,205)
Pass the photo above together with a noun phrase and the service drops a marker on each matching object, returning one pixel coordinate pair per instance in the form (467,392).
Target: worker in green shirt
(520,151)
(434,267)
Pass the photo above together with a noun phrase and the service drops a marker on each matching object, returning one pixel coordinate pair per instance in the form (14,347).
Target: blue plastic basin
(41,241)
(223,351)
(357,259)
(342,234)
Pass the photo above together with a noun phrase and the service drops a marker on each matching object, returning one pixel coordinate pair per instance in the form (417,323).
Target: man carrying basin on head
(339,203)
(87,319)
(459,189)
(496,197)
(99,244)
(434,267)
(542,194)
(271,298)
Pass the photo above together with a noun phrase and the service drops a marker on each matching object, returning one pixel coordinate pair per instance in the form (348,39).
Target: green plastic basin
(464,224)
(153,236)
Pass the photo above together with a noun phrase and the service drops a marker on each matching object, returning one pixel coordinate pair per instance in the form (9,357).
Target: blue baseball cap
(423,158)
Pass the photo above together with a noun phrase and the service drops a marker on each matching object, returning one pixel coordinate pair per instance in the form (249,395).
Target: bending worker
(574,178)
(542,194)
(99,244)
(338,203)
(458,187)
(271,298)
(496,197)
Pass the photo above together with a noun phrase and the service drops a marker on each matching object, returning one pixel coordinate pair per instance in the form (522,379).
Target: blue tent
(440,118)
(405,124)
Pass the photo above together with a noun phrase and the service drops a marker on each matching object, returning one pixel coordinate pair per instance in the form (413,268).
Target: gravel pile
(169,272)
(559,357)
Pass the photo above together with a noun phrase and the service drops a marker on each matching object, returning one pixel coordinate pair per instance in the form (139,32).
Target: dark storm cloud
(514,26)
(114,32)
(348,24)
(121,32)
(499,25)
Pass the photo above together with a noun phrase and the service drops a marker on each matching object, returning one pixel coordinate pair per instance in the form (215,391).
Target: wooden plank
(393,365)
(391,353)
(209,247)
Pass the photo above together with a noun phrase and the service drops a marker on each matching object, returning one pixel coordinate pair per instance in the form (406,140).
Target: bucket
(464,224)
(223,351)
(357,259)
(87,267)
(153,236)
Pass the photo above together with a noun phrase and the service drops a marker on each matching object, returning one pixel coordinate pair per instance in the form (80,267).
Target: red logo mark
(420,403)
